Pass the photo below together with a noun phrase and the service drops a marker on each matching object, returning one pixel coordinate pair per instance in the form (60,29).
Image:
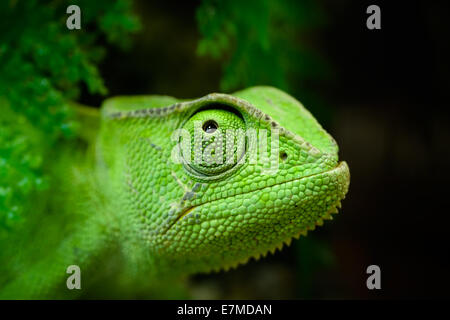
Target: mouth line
(185,212)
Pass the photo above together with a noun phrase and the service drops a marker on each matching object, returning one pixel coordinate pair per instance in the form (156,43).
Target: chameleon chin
(127,205)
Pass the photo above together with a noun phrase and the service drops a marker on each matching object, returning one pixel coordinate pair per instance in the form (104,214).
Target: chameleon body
(126,203)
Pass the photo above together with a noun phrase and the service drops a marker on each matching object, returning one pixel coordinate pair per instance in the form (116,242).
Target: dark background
(387,107)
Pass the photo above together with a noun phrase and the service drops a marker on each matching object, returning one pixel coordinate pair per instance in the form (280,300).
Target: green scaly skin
(133,219)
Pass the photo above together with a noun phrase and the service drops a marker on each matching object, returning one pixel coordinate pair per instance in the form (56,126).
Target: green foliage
(261,41)
(42,66)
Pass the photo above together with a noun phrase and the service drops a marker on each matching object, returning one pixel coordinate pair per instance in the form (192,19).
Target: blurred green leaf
(261,42)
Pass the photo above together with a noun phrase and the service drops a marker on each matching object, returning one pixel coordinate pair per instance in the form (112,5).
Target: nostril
(283,155)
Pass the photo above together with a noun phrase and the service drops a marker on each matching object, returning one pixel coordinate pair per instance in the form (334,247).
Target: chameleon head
(215,181)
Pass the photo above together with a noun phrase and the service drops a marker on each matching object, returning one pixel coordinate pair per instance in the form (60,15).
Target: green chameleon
(140,201)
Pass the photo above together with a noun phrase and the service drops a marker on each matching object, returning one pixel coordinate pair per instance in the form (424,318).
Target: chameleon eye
(217,141)
(210,126)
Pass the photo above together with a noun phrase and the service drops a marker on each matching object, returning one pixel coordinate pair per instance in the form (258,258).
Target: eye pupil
(210,126)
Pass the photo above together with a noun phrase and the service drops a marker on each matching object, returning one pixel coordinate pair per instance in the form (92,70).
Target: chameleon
(134,204)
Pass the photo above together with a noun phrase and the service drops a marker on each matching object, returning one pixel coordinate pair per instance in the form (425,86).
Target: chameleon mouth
(341,170)
(185,213)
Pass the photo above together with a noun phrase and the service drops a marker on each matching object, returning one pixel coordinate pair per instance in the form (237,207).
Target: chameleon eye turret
(216,141)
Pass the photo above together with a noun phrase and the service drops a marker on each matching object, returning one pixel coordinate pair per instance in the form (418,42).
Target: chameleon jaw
(293,228)
(342,166)
(333,209)
(285,242)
